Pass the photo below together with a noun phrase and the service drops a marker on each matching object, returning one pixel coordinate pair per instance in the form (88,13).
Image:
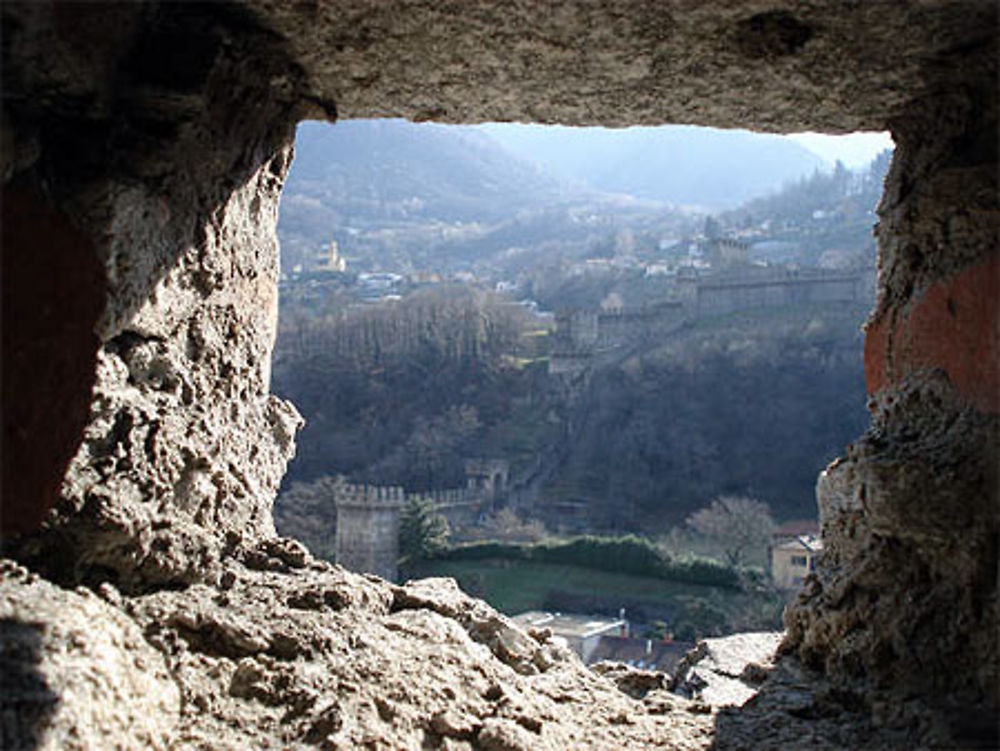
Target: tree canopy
(737,523)
(422,531)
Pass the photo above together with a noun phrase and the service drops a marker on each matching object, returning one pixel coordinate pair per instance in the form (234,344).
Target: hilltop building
(725,252)
(331,260)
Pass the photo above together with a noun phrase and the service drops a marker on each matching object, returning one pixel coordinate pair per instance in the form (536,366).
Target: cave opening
(172,180)
(399,236)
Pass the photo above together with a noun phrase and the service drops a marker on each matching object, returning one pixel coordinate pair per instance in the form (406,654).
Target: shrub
(423,533)
(623,555)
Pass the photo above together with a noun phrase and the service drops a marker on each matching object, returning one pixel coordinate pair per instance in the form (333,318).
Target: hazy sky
(854,149)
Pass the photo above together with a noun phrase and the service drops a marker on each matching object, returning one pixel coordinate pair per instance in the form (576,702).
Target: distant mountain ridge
(388,189)
(394,168)
(685,165)
(401,195)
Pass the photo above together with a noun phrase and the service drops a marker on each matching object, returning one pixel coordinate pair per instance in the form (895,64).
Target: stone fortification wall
(368,518)
(785,289)
(368,528)
(588,338)
(351,494)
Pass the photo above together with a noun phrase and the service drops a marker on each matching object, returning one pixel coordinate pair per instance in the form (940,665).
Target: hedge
(622,555)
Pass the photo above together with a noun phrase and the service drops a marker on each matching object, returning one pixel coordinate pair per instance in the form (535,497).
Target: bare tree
(308,512)
(737,524)
(507,526)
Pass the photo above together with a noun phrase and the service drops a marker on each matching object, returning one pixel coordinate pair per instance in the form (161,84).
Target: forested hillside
(390,192)
(401,386)
(825,219)
(400,393)
(403,393)
(746,404)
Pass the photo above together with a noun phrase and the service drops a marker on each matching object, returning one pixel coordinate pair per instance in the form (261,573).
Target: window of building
(798,560)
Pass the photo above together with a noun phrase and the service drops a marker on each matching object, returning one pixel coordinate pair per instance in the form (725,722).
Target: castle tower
(488,477)
(368,528)
(726,252)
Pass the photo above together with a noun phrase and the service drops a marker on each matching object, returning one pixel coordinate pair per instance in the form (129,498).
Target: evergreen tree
(422,531)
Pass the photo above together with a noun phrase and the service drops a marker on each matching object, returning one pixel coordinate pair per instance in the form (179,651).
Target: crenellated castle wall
(585,338)
(368,520)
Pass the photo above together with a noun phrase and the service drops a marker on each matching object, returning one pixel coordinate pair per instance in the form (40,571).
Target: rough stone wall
(162,133)
(907,589)
(752,64)
(159,133)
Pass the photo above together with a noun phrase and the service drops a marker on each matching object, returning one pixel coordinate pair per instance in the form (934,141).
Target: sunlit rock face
(160,135)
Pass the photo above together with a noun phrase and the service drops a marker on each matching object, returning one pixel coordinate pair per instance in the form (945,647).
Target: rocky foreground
(293,652)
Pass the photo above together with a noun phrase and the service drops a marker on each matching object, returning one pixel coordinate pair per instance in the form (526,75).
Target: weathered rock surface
(291,652)
(157,136)
(906,590)
(727,671)
(906,593)
(793,66)
(172,170)
(76,672)
(185,446)
(799,708)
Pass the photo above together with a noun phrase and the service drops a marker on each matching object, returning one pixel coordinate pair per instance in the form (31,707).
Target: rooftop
(802,542)
(647,654)
(569,624)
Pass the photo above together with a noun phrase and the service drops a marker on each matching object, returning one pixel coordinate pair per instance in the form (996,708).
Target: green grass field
(516,586)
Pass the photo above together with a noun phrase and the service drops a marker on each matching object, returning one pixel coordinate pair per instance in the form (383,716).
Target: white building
(792,560)
(581,633)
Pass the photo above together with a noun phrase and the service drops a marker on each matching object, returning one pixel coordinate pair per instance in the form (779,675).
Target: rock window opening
(145,145)
(475,333)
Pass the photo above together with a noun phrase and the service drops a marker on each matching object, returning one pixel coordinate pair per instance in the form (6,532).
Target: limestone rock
(797,66)
(160,133)
(905,592)
(797,707)
(508,643)
(316,656)
(632,681)
(173,467)
(77,672)
(727,671)
(176,186)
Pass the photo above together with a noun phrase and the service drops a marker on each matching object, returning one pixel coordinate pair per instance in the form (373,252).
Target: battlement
(368,516)
(365,496)
(351,494)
